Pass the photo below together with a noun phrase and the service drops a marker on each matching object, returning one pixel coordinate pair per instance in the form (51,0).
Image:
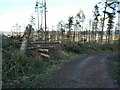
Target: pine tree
(70,23)
(96,15)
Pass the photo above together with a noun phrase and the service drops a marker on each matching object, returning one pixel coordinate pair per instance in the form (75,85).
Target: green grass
(40,80)
(114,67)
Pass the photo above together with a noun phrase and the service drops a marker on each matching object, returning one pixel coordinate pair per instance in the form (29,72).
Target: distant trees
(111,16)
(80,19)
(61,27)
(16,31)
(108,12)
(104,13)
(74,23)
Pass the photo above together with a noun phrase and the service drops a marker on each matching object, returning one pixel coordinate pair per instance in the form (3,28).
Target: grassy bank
(41,79)
(114,67)
(28,72)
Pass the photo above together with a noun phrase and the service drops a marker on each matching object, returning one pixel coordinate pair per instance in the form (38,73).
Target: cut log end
(45,55)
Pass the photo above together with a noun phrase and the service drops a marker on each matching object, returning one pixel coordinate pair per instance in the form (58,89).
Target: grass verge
(40,80)
(114,67)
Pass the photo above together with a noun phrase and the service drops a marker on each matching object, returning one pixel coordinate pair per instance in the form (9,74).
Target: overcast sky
(20,11)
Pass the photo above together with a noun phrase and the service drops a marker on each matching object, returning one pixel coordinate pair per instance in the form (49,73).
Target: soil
(88,72)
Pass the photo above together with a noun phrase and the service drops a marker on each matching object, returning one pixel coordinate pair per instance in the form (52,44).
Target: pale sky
(20,11)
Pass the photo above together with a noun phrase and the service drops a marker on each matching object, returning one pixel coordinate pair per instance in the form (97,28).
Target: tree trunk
(25,39)
(103,22)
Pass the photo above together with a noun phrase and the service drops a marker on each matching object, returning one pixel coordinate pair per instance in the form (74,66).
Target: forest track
(90,72)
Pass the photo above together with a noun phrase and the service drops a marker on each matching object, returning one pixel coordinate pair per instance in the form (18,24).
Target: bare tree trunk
(25,39)
(74,34)
(106,37)
(24,45)
(103,21)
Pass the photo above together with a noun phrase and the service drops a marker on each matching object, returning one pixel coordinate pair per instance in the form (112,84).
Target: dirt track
(90,72)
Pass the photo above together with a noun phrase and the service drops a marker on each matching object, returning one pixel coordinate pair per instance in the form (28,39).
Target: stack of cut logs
(41,48)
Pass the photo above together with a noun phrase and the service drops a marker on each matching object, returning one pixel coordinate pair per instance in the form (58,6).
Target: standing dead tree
(26,38)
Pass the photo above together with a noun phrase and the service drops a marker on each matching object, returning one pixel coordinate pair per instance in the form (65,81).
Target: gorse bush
(19,66)
(19,58)
(10,43)
(57,54)
(78,47)
(89,47)
(84,47)
(8,46)
(111,47)
(37,65)
(72,47)
(20,62)
(13,67)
